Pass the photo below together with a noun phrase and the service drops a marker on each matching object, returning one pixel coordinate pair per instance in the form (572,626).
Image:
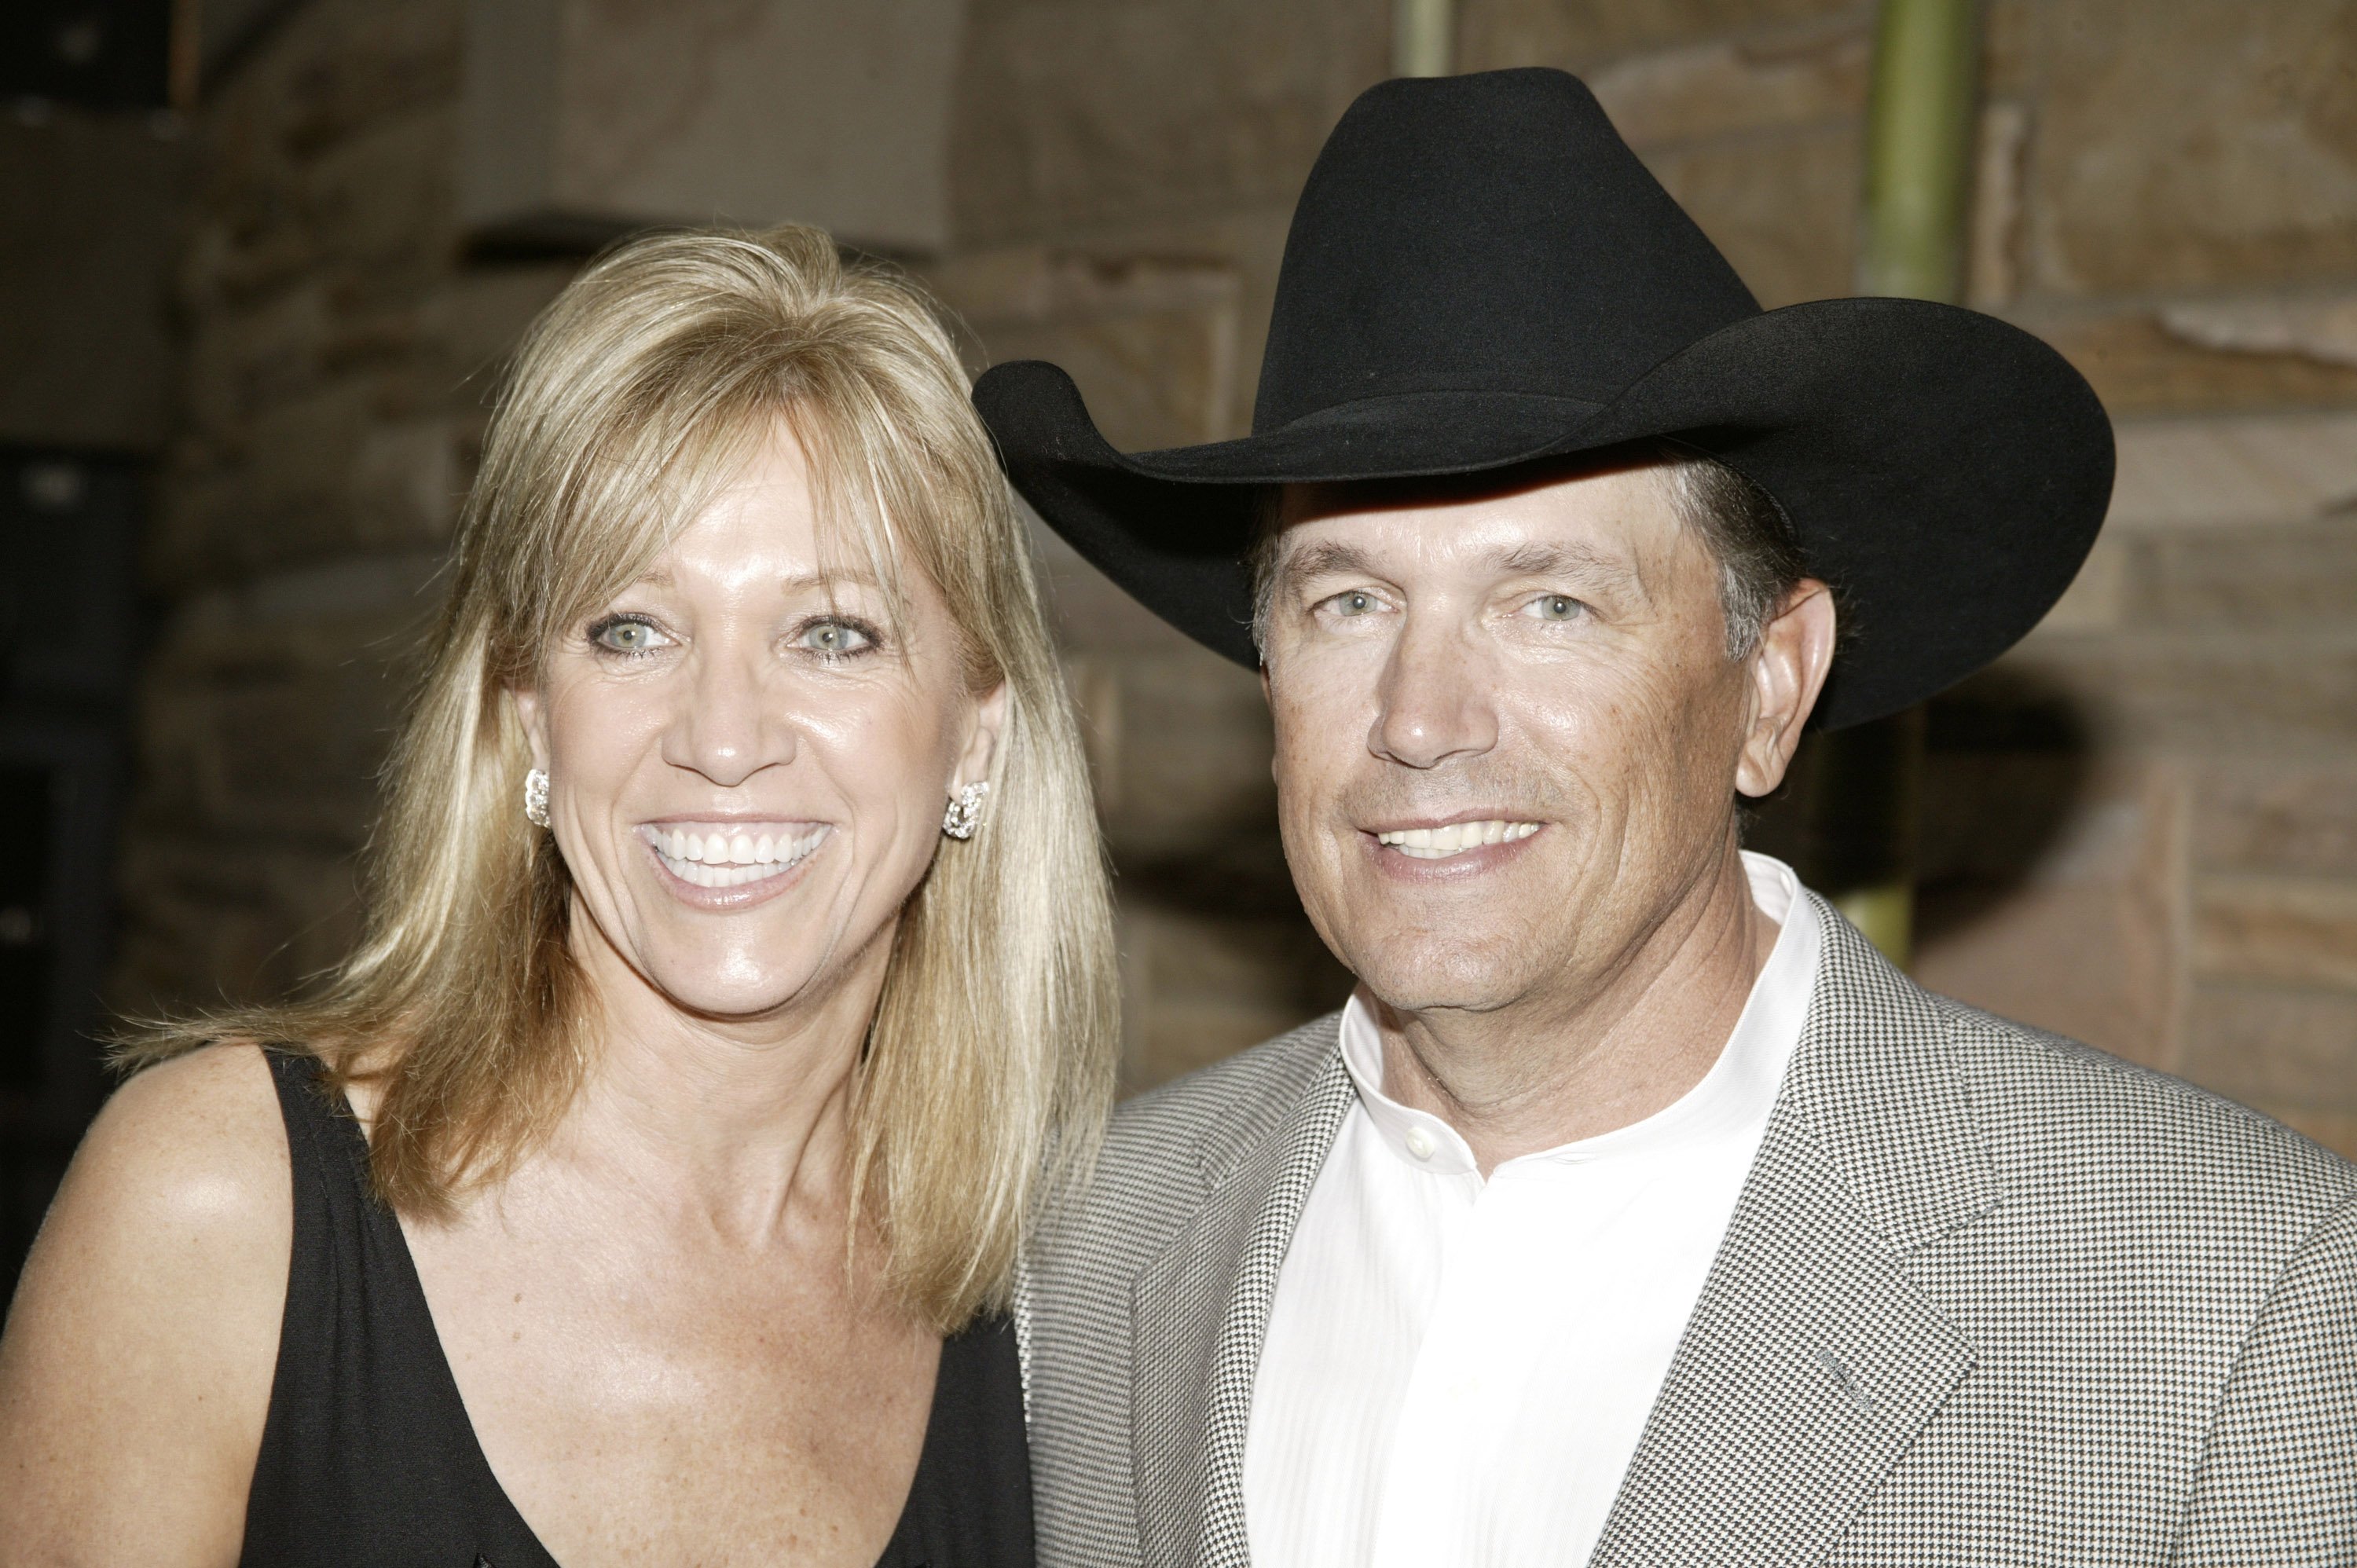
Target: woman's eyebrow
(800,582)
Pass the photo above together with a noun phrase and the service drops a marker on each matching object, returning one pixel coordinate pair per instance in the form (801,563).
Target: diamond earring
(535,798)
(964,814)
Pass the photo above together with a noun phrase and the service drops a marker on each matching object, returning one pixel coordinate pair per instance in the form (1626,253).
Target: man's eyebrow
(1533,559)
(1326,557)
(1576,560)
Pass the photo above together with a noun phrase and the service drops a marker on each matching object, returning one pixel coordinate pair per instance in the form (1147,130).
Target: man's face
(1508,734)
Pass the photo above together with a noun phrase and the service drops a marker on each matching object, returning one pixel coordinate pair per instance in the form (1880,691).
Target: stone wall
(2141,828)
(338,347)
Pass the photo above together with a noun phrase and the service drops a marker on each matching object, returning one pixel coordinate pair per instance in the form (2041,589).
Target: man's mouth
(730,854)
(1456,838)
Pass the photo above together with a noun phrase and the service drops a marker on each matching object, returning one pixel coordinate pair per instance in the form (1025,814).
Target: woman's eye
(835,637)
(625,634)
(1556,606)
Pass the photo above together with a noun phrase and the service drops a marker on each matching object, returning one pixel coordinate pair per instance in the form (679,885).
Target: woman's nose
(729,724)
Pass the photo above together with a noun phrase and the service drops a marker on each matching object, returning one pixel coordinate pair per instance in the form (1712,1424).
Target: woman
(737,973)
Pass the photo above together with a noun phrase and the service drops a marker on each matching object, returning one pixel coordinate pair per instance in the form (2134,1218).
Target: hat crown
(1484,232)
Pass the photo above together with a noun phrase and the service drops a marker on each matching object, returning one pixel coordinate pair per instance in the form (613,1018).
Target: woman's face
(748,756)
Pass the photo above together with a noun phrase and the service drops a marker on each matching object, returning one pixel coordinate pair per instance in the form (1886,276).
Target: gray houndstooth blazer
(1989,1297)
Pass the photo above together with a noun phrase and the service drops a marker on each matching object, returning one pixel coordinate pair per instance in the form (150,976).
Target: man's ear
(982,744)
(533,717)
(1787,672)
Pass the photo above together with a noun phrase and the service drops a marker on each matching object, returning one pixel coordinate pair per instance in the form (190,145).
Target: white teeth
(721,859)
(1438,843)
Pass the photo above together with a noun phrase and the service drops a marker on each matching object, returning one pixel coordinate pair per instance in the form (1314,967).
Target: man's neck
(1555,1069)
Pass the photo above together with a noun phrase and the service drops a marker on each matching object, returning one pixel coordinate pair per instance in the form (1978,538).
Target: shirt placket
(1428,1478)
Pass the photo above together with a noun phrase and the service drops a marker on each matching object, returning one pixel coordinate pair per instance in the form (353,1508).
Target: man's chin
(1468,978)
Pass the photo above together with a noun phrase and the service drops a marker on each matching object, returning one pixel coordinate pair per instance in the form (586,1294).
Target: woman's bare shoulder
(144,1330)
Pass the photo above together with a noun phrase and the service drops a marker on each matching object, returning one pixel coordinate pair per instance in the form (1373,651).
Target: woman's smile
(720,855)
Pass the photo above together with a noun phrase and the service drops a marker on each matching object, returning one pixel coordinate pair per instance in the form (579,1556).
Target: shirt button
(1420,1144)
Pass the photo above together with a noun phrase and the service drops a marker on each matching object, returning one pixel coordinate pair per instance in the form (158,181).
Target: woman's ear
(982,745)
(533,717)
(1788,670)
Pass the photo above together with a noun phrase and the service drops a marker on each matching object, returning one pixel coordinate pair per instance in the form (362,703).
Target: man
(1634,1210)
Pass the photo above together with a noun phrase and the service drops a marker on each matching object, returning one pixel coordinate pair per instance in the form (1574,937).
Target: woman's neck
(743,1126)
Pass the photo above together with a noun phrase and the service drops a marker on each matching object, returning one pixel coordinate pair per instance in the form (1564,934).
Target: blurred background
(260,262)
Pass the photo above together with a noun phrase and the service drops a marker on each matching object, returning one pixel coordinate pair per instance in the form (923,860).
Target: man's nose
(1435,702)
(731,723)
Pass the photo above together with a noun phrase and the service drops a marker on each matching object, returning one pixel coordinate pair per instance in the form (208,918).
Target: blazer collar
(1812,1360)
(1199,1313)
(1809,1365)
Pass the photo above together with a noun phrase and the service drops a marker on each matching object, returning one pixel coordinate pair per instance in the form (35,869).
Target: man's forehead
(1618,516)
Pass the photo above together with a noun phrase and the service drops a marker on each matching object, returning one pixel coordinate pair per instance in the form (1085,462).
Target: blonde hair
(990,1061)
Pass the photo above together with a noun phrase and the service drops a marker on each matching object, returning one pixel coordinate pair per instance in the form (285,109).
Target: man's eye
(835,637)
(627,634)
(1354,603)
(1556,606)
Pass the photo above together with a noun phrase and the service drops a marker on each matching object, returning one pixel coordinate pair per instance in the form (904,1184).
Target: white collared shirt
(1456,1370)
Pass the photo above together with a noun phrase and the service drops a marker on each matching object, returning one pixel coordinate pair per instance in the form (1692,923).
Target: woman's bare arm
(135,1370)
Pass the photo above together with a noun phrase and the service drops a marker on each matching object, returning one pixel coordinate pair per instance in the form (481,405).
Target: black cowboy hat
(1480,274)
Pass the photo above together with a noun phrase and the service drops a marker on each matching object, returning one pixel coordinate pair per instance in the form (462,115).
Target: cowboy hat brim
(1944,471)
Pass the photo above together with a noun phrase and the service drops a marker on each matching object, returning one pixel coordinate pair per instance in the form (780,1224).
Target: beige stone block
(2096,964)
(1073,115)
(1783,207)
(2050,896)
(2008,818)
(2196,143)
(1993,261)
(2273,815)
(1191,746)
(2203,696)
(2272,468)
(2262,576)
(268,709)
(360,65)
(2137,365)
(2012,44)
(383,209)
(616,112)
(211,922)
(405,487)
(2286,929)
(2323,328)
(86,260)
(1151,342)
(1201,986)
(1578,35)
(2274,1046)
(1726,87)
(237,361)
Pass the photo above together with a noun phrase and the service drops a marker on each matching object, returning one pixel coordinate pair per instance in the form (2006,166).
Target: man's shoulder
(2054,1109)
(1239,1095)
(1166,1149)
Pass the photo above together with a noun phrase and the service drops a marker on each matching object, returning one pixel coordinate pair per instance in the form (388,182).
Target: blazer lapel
(1812,1359)
(1199,1313)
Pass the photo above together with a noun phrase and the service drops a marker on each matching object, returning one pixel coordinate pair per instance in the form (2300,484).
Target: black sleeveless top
(369,1460)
